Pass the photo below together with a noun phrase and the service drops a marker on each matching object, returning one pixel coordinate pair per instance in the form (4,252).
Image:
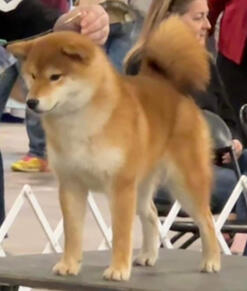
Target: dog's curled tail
(175,53)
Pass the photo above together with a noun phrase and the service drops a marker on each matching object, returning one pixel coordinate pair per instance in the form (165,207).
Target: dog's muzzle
(32,103)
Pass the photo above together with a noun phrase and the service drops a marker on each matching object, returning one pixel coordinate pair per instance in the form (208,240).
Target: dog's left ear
(74,52)
(20,49)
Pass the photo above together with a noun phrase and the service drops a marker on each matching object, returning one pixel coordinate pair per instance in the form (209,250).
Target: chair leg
(190,241)
(235,163)
(2,202)
(177,237)
(237,170)
(245,250)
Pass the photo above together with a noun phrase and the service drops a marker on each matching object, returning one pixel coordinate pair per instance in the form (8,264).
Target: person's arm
(29,18)
(32,17)
(89,20)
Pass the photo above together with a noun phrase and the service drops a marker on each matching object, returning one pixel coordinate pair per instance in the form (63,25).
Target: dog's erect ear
(20,49)
(74,52)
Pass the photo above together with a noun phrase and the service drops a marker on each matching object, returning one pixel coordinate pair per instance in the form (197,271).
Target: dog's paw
(62,268)
(115,274)
(145,259)
(211,265)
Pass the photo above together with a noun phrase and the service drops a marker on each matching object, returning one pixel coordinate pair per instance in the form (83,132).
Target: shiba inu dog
(118,134)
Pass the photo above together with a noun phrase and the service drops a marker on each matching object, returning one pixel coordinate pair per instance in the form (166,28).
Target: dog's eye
(55,77)
(33,76)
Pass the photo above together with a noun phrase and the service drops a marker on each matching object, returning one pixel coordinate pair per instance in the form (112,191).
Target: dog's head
(59,68)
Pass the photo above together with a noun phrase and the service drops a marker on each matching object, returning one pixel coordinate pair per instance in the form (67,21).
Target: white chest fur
(78,147)
(91,161)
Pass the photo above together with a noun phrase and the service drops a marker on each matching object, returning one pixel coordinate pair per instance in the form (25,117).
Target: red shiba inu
(118,134)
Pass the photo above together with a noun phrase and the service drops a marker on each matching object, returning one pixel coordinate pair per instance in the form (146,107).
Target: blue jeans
(36,135)
(34,128)
(225,180)
(33,125)
(241,207)
(2,202)
(7,81)
(223,185)
(121,39)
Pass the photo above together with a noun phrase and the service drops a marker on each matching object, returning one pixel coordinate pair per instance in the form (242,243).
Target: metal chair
(222,139)
(243,118)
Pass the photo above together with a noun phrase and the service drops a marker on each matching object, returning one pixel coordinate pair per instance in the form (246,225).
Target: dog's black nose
(32,103)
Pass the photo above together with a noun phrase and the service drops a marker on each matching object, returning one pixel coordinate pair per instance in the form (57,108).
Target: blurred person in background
(232,48)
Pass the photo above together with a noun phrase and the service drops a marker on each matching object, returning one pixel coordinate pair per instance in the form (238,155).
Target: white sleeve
(8,5)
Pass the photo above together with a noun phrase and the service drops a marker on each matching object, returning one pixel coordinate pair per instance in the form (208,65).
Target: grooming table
(175,270)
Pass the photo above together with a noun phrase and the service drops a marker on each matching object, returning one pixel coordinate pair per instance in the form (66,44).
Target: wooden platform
(176,270)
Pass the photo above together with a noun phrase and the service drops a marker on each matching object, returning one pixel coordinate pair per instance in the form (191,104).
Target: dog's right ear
(74,52)
(20,49)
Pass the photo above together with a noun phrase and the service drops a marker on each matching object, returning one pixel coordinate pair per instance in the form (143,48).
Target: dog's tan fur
(116,134)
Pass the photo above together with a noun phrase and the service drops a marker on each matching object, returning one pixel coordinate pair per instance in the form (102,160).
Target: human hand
(238,147)
(89,20)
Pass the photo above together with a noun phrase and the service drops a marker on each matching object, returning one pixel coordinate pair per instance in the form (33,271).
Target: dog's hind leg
(73,205)
(123,208)
(149,220)
(190,182)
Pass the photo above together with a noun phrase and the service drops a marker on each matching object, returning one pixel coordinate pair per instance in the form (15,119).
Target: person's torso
(233,33)
(61,5)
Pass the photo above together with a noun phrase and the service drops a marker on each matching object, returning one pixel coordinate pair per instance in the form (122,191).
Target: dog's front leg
(73,205)
(123,209)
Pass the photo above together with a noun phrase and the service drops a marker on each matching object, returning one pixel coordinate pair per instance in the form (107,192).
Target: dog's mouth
(39,111)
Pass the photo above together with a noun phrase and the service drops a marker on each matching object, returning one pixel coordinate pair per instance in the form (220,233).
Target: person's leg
(239,242)
(2,204)
(7,81)
(120,41)
(223,185)
(35,160)
(36,135)
(118,44)
(224,182)
(241,206)
(243,162)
